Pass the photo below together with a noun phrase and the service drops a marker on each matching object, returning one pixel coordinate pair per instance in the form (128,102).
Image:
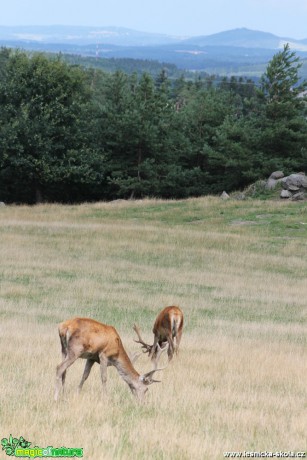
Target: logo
(21,448)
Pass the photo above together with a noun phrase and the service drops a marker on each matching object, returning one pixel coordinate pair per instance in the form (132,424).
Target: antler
(147,378)
(146,346)
(134,356)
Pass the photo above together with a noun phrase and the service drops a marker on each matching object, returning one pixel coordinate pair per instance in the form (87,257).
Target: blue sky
(286,18)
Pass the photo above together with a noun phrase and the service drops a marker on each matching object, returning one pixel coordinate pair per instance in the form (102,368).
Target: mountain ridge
(84,35)
(237,51)
(79,35)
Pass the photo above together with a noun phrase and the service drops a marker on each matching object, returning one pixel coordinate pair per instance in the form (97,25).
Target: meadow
(237,269)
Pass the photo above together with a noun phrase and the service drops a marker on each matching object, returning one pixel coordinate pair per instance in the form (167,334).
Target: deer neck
(126,370)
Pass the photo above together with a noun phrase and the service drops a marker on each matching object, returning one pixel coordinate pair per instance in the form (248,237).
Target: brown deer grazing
(167,330)
(99,343)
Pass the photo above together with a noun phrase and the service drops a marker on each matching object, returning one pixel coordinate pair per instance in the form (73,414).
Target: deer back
(91,337)
(168,322)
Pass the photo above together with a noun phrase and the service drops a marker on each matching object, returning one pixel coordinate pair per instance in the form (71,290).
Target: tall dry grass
(238,271)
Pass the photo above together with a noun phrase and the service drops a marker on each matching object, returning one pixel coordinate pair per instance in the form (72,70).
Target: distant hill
(246,38)
(120,36)
(239,51)
(82,35)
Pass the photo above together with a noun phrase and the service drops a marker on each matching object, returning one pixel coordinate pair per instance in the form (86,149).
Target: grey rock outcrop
(296,187)
(274,179)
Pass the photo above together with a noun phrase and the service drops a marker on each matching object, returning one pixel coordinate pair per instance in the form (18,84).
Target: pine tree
(283,123)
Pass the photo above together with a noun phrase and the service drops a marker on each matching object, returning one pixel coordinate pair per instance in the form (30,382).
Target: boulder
(276,175)
(274,178)
(285,194)
(294,182)
(294,186)
(225,196)
(271,184)
(298,196)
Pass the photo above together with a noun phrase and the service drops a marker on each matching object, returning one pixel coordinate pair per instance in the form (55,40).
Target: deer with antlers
(167,331)
(99,343)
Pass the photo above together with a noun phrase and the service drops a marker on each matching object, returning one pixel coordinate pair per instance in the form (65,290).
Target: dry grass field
(237,269)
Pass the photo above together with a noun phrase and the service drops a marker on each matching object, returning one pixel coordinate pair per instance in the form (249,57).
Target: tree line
(73,134)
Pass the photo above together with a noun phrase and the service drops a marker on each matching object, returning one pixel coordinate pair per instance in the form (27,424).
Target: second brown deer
(167,331)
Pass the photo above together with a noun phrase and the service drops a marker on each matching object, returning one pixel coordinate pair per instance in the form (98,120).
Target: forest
(72,134)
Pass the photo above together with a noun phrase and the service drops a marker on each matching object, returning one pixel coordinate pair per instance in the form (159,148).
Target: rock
(298,196)
(293,188)
(294,182)
(225,196)
(285,194)
(271,183)
(276,175)
(274,179)
(2,203)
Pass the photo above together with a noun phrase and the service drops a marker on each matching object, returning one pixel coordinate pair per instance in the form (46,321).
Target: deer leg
(153,350)
(88,366)
(63,375)
(103,369)
(61,372)
(178,339)
(64,356)
(170,351)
